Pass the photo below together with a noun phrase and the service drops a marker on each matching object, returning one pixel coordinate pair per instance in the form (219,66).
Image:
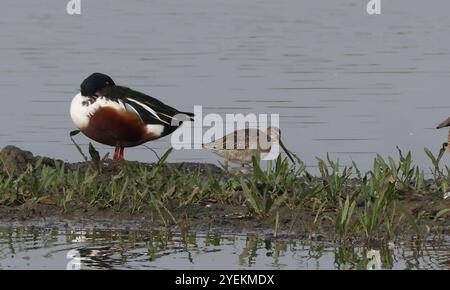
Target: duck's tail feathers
(189,115)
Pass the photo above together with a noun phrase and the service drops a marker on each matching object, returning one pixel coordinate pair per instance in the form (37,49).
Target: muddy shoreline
(204,214)
(222,219)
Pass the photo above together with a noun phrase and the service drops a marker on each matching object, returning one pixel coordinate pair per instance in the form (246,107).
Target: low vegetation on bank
(394,199)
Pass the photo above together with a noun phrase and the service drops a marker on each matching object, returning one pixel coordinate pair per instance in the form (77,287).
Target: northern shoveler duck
(443,124)
(121,117)
(241,145)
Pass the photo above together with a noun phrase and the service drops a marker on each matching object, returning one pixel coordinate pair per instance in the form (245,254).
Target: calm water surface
(342,81)
(52,247)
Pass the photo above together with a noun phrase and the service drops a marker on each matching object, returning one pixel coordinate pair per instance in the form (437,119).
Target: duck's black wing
(150,110)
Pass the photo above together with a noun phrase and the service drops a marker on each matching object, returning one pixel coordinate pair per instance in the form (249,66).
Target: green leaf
(350,213)
(441,213)
(431,156)
(345,211)
(73,133)
(441,152)
(95,156)
(164,157)
(257,172)
(393,164)
(250,197)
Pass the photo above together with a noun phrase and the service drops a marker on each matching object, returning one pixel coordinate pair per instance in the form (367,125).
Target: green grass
(342,202)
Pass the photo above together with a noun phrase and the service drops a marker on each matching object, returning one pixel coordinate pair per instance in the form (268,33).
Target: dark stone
(15,159)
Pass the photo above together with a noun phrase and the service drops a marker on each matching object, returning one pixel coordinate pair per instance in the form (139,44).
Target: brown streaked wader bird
(241,145)
(443,124)
(121,117)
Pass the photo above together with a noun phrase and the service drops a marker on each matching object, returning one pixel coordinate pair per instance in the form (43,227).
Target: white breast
(81,113)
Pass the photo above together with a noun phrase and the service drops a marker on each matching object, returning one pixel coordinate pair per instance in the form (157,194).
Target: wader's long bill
(287,151)
(445,123)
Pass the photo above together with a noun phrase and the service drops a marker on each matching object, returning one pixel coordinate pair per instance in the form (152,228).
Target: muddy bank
(203,216)
(199,218)
(199,197)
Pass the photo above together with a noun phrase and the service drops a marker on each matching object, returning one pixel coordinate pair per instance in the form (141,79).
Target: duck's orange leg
(122,152)
(117,153)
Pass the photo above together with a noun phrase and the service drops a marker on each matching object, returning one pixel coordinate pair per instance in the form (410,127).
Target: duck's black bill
(287,151)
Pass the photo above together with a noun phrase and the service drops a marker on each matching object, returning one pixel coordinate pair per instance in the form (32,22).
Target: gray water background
(343,81)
